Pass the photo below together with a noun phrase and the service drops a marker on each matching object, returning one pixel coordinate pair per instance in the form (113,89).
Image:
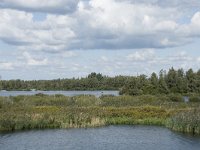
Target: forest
(171,81)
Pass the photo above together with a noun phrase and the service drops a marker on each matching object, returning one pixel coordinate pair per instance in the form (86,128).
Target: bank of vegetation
(166,82)
(43,111)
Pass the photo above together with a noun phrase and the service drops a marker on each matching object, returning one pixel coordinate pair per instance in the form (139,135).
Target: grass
(186,121)
(42,111)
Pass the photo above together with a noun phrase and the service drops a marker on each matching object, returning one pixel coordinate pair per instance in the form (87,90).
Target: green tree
(172,79)
(192,81)
(163,89)
(181,82)
(154,83)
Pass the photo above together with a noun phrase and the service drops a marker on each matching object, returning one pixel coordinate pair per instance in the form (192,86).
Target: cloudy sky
(47,39)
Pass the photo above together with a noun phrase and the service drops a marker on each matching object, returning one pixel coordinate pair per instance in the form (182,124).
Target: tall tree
(163,88)
(192,80)
(172,79)
(181,82)
(154,81)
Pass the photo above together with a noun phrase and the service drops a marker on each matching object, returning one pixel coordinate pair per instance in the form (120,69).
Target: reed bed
(42,111)
(186,121)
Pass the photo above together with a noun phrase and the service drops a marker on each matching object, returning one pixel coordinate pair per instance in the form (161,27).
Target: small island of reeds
(43,111)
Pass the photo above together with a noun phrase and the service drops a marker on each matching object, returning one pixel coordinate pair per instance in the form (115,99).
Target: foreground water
(66,93)
(106,138)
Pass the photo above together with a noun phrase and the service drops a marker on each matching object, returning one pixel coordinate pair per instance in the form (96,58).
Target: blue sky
(71,38)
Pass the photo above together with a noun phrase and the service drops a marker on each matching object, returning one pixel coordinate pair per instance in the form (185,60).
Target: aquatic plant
(58,111)
(186,121)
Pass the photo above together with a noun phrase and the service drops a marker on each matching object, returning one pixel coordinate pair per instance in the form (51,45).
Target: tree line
(171,81)
(94,81)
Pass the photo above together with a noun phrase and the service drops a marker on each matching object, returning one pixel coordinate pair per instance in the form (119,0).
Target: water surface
(66,93)
(106,138)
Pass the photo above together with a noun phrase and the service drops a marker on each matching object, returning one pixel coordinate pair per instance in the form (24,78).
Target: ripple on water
(111,137)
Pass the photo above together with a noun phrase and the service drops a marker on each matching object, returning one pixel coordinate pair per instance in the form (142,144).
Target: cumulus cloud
(40,65)
(170,3)
(95,24)
(143,55)
(69,6)
(192,29)
(18,28)
(179,3)
(47,6)
(34,62)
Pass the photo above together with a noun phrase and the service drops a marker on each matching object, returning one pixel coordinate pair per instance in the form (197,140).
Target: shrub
(148,98)
(187,121)
(175,97)
(40,94)
(195,98)
(7,124)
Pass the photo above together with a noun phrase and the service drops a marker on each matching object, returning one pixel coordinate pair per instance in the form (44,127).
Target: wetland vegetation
(154,100)
(43,111)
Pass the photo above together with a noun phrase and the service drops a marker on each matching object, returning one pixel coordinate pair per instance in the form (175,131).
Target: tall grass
(186,121)
(43,111)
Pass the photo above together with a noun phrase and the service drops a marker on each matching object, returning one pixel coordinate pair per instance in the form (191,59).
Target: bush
(1,103)
(7,124)
(148,98)
(41,95)
(195,98)
(176,97)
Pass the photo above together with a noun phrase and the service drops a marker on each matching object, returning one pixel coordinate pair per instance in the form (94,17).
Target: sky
(50,39)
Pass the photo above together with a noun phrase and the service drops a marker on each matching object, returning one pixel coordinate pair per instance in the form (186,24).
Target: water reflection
(112,138)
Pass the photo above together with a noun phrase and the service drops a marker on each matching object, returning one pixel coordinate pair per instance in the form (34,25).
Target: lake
(66,93)
(105,138)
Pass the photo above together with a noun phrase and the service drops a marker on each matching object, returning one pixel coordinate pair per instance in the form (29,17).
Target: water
(66,93)
(106,138)
(186,99)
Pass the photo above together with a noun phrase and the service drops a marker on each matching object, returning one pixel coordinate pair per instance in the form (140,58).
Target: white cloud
(18,28)
(68,54)
(49,6)
(104,59)
(170,3)
(196,19)
(76,67)
(6,66)
(192,29)
(195,24)
(142,55)
(95,24)
(35,65)
(198,59)
(180,57)
(34,62)
(69,6)
(127,18)
(166,26)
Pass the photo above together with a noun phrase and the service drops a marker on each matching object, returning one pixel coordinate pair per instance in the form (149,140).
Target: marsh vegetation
(43,111)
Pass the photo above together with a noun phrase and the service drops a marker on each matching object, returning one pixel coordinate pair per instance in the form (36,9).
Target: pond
(105,138)
(66,93)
